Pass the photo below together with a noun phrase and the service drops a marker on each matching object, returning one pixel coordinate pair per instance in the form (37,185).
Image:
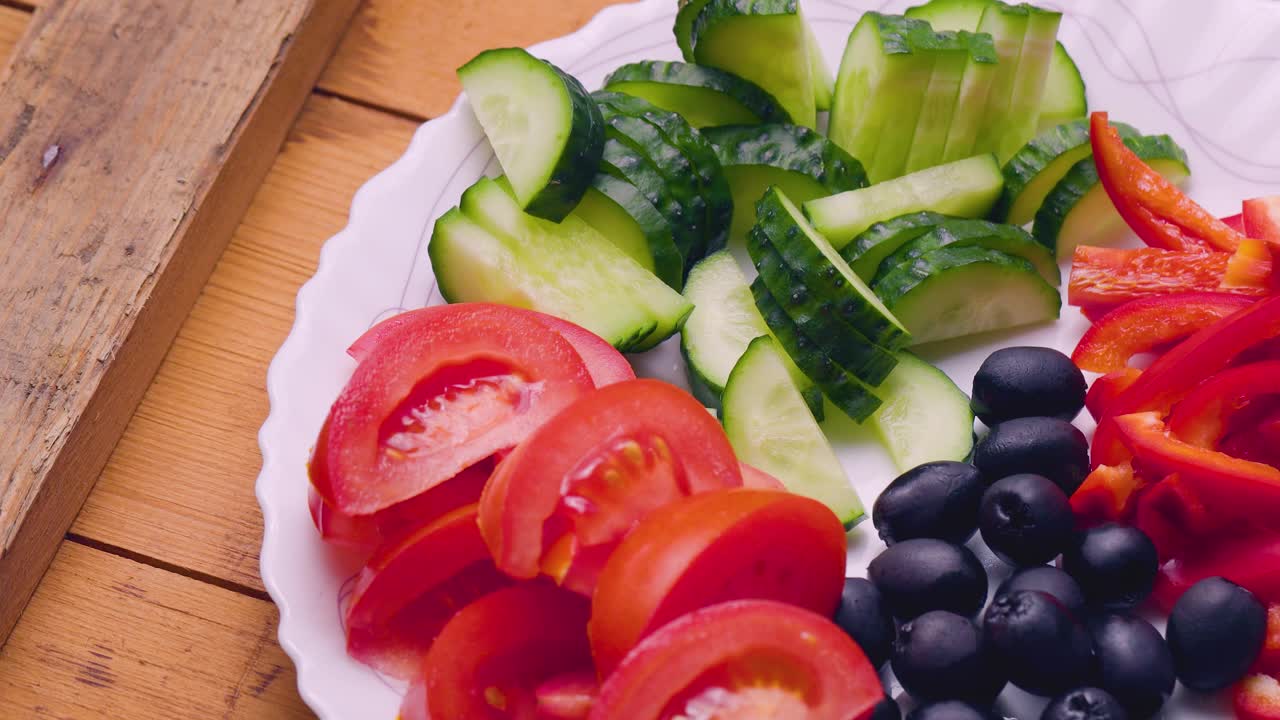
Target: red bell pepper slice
(1238,488)
(1269,659)
(1108,388)
(1235,222)
(1174,517)
(1250,560)
(1188,363)
(1106,278)
(1106,495)
(1161,214)
(1249,268)
(1142,325)
(1201,418)
(1257,697)
(1261,218)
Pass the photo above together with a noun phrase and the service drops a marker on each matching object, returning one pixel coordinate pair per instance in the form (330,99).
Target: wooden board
(12,24)
(124,168)
(401,54)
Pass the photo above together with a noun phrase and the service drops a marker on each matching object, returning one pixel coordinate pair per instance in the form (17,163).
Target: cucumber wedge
(820,270)
(1035,169)
(844,390)
(617,210)
(581,276)
(704,96)
(1007,26)
(965,188)
(865,253)
(800,161)
(955,292)
(543,127)
(770,428)
(1029,84)
(626,163)
(764,41)
(951,57)
(1078,210)
(823,81)
(925,416)
(978,233)
(1064,91)
(723,322)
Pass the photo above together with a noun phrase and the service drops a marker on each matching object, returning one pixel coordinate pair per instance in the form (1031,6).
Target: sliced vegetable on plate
(925,416)
(704,96)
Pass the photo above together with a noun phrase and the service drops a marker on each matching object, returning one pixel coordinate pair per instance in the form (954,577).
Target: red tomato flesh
(493,655)
(445,388)
(407,592)
(563,500)
(743,660)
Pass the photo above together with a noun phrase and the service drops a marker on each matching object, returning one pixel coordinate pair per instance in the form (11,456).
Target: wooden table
(153,607)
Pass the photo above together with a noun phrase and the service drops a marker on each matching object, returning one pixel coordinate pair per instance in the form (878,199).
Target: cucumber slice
(1078,210)
(954,292)
(865,253)
(770,428)
(879,90)
(815,318)
(543,127)
(595,279)
(701,157)
(823,81)
(704,96)
(930,141)
(1007,26)
(1035,169)
(843,389)
(723,322)
(764,41)
(950,14)
(617,210)
(925,416)
(965,188)
(1029,84)
(626,163)
(820,270)
(978,233)
(1064,92)
(800,161)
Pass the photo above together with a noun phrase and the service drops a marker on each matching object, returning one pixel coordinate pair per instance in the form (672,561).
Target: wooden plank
(401,54)
(124,168)
(106,637)
(12,24)
(160,490)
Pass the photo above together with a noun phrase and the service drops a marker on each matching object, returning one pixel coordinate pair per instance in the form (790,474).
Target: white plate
(1198,70)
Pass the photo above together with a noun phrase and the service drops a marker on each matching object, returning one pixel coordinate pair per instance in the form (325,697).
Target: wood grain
(186,465)
(401,54)
(105,637)
(124,168)
(12,24)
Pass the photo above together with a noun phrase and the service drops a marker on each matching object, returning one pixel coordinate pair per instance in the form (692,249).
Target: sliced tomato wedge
(605,364)
(754,477)
(711,548)
(561,502)
(745,659)
(408,591)
(493,655)
(1143,325)
(444,388)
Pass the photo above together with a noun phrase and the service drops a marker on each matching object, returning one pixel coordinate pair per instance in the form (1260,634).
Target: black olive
(1038,644)
(886,709)
(1134,663)
(864,615)
(916,576)
(936,500)
(1025,382)
(1086,703)
(948,710)
(1116,565)
(1044,446)
(1026,519)
(941,656)
(1050,580)
(1215,631)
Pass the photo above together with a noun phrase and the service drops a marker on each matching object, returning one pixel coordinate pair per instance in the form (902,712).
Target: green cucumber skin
(866,251)
(782,231)
(700,154)
(814,317)
(1082,178)
(789,147)
(753,98)
(626,163)
(683,29)
(1008,239)
(668,262)
(843,389)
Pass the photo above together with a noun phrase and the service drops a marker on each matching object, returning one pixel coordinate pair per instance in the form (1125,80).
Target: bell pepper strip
(1174,517)
(1249,267)
(1268,661)
(1257,697)
(1107,388)
(1143,325)
(1106,495)
(1175,373)
(1154,208)
(1250,560)
(1261,218)
(1106,278)
(1236,222)
(568,696)
(1201,418)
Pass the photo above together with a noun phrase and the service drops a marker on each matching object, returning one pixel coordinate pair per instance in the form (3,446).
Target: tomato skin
(491,657)
(408,591)
(791,652)
(712,548)
(446,387)
(529,486)
(754,477)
